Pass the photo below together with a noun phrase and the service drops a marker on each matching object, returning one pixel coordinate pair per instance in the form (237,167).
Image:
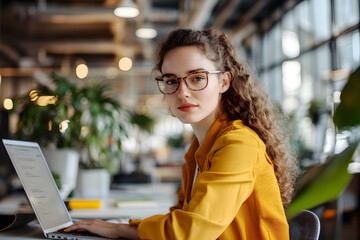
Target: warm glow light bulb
(63,126)
(8,104)
(82,71)
(126,9)
(126,12)
(145,32)
(33,95)
(50,126)
(125,63)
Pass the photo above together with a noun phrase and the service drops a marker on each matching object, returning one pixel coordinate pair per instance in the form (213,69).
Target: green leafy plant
(316,109)
(143,121)
(347,114)
(324,182)
(85,118)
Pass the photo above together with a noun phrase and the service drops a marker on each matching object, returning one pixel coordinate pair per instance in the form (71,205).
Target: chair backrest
(304,226)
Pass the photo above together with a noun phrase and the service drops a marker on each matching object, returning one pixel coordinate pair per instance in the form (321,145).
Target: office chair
(304,226)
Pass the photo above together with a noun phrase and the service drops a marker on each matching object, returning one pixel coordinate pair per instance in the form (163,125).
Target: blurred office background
(303,52)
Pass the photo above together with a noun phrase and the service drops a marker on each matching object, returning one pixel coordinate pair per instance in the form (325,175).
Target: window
(348,51)
(275,84)
(307,78)
(304,25)
(272,46)
(346,14)
(297,59)
(322,64)
(290,37)
(256,52)
(321,18)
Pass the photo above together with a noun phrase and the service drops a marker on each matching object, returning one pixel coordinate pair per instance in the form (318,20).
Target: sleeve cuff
(134,222)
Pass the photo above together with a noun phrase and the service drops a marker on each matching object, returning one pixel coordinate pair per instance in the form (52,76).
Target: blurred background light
(8,104)
(63,126)
(146,32)
(50,125)
(290,44)
(291,76)
(33,95)
(125,63)
(336,96)
(46,100)
(126,9)
(82,71)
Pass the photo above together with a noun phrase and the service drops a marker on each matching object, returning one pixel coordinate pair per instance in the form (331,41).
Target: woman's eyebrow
(196,70)
(169,75)
(188,72)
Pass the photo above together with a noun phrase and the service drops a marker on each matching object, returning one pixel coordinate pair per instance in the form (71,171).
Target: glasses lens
(197,81)
(168,85)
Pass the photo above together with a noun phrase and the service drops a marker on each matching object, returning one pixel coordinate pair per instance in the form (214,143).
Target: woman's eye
(170,81)
(198,78)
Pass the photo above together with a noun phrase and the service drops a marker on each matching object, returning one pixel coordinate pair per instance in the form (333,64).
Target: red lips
(186,107)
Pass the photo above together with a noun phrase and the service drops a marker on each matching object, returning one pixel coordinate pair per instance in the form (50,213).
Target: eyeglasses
(196,81)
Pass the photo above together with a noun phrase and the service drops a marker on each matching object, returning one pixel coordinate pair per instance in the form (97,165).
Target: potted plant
(85,119)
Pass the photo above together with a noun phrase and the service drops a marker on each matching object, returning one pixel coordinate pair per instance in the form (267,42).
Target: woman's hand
(105,229)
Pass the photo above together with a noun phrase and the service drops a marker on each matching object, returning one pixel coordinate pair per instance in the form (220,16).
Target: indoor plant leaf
(143,121)
(324,182)
(330,181)
(96,122)
(347,114)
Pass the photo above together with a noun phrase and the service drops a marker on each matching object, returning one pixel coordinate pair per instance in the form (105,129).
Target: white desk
(163,196)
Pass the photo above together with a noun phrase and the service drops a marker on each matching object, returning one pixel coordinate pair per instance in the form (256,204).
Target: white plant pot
(93,183)
(64,162)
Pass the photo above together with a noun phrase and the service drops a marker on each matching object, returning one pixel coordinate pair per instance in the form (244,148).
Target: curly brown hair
(244,100)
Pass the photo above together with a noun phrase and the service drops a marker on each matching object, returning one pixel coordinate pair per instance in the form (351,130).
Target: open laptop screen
(39,185)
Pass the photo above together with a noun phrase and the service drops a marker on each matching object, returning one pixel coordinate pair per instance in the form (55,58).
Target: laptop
(41,190)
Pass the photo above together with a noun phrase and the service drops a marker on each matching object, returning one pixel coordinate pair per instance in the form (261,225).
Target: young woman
(239,171)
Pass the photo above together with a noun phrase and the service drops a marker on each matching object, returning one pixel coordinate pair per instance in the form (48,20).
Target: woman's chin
(185,119)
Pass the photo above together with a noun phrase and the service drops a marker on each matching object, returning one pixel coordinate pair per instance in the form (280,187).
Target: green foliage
(316,109)
(143,121)
(96,122)
(176,141)
(57,180)
(324,182)
(347,114)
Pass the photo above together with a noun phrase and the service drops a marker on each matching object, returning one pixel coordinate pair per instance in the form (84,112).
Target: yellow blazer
(235,194)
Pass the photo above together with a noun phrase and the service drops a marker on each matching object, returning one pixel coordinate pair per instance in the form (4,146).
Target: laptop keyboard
(73,235)
(80,233)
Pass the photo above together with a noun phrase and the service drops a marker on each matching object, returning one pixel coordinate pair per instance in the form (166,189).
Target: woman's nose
(183,89)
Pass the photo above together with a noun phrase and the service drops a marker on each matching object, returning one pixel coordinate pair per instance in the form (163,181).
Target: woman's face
(187,105)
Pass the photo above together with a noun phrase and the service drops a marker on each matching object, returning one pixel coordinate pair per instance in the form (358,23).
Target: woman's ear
(225,81)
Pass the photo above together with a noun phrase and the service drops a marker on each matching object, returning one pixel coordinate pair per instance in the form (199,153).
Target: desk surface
(30,231)
(162,197)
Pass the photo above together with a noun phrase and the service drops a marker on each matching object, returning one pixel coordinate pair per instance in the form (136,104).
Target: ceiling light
(146,31)
(126,9)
